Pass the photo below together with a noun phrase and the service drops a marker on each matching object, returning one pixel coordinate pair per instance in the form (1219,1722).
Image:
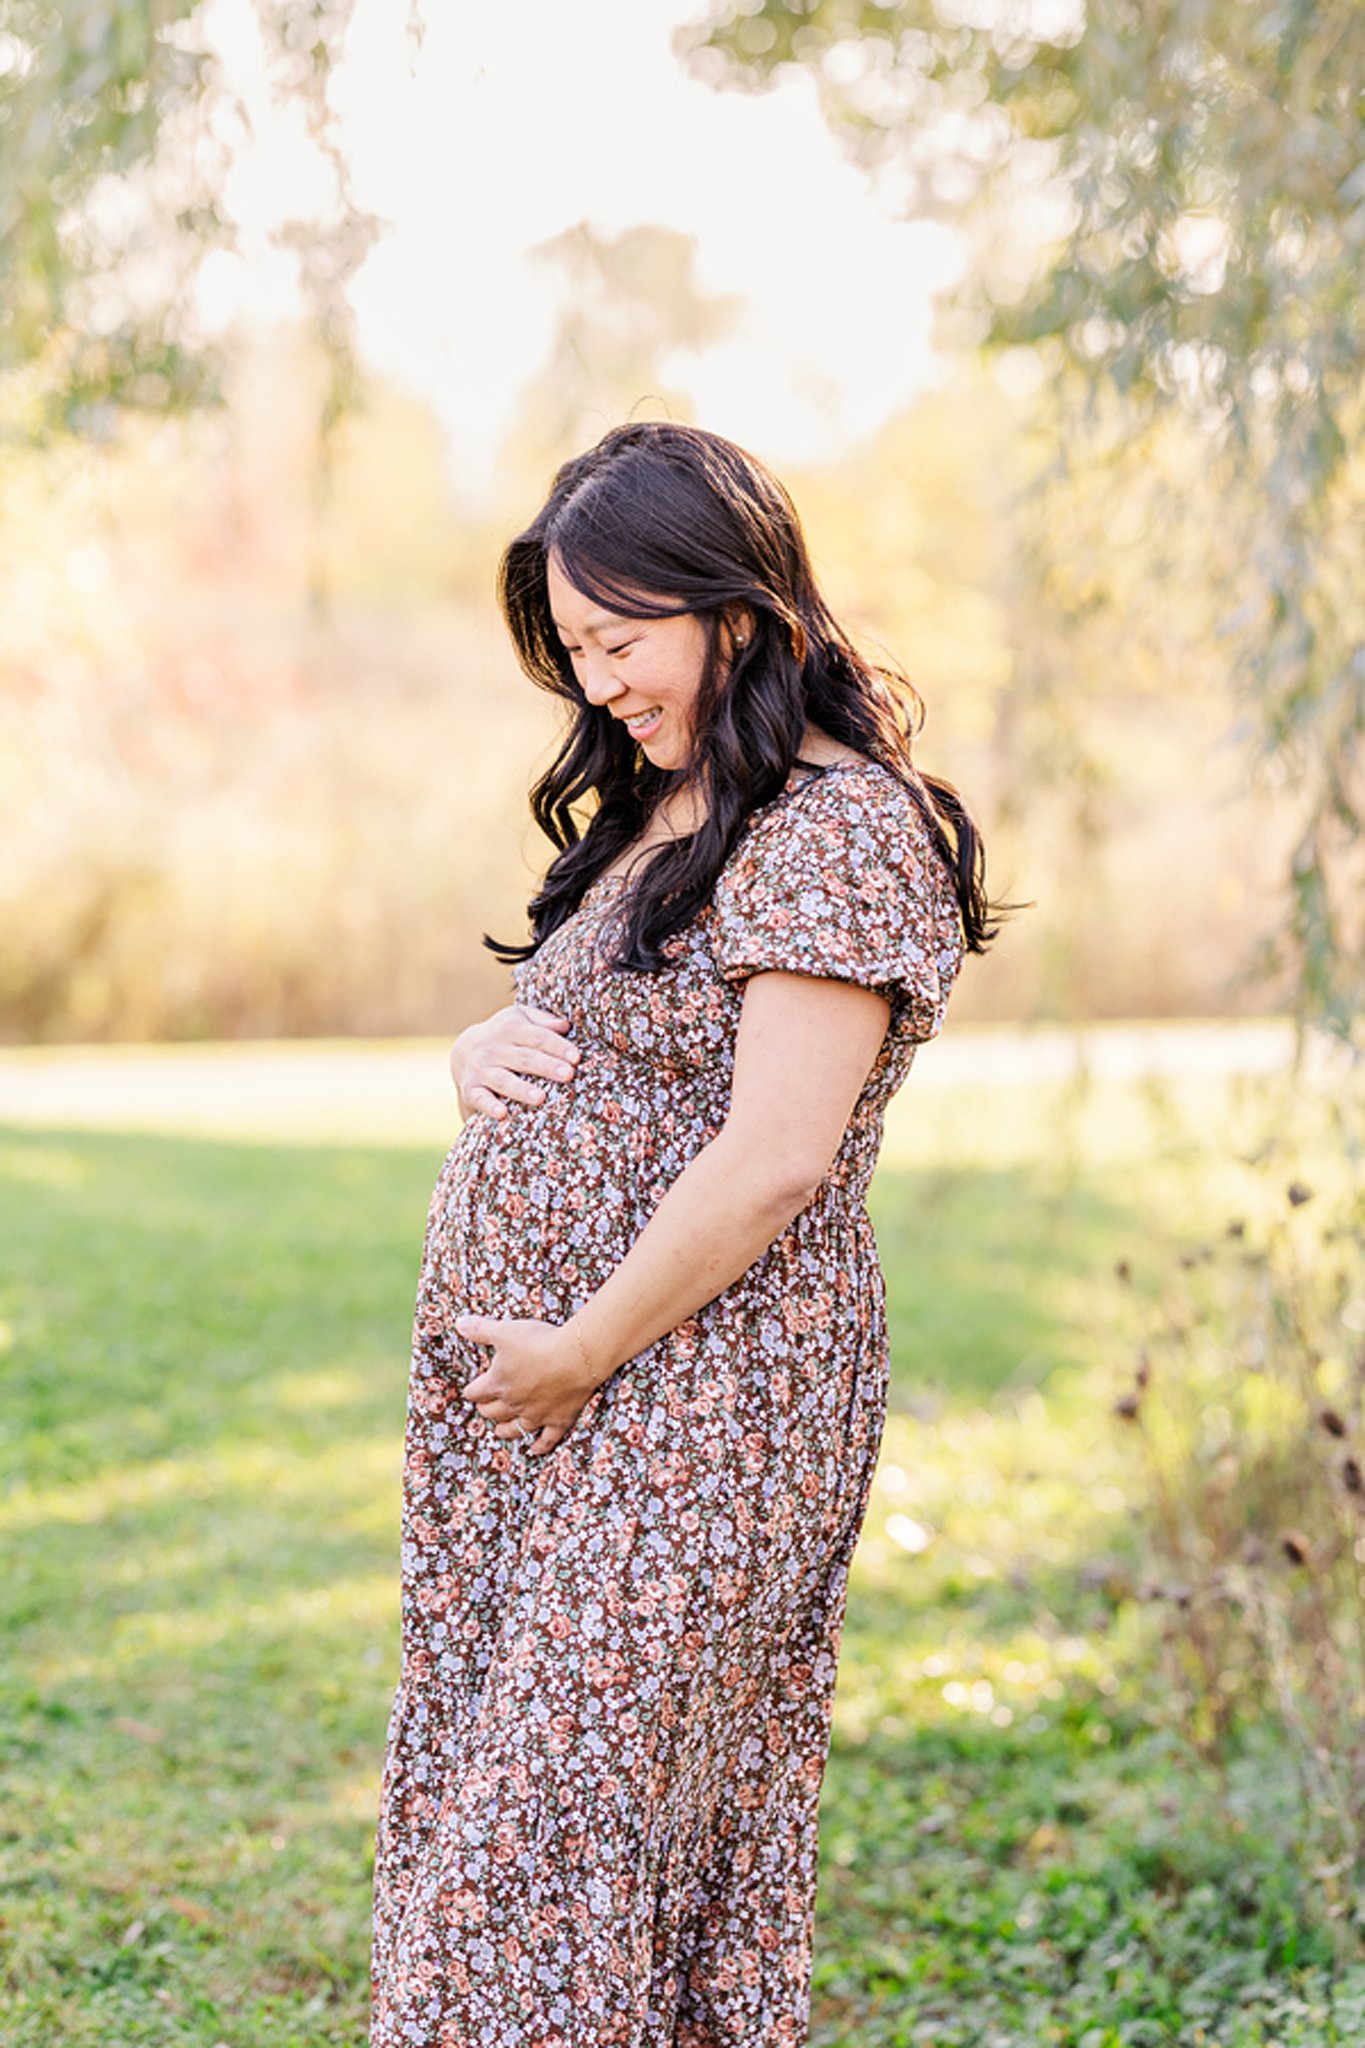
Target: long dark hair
(701,527)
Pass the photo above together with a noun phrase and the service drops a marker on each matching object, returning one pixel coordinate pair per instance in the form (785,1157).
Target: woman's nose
(599,684)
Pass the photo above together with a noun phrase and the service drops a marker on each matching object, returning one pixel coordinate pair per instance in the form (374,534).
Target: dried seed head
(1237,1227)
(1352,1476)
(1123,1270)
(1297,1194)
(1333,1423)
(1143,1373)
(1127,1406)
(1296,1547)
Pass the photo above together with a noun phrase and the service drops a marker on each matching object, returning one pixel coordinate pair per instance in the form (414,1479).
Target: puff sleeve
(841,878)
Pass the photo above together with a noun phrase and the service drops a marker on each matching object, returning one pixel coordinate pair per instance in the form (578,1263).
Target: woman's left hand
(535,1384)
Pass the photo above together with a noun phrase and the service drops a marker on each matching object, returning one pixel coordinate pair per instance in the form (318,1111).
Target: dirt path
(399,1092)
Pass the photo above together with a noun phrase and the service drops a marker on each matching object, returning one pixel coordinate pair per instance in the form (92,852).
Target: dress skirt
(599,1802)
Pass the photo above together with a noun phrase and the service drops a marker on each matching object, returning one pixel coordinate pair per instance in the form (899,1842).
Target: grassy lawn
(204,1354)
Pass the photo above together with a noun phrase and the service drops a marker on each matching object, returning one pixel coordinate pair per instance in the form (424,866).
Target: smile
(644,721)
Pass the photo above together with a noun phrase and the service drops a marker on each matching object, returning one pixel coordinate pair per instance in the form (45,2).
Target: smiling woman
(645,672)
(649,1362)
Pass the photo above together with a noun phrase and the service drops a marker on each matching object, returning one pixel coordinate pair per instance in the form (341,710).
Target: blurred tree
(114,145)
(1168,198)
(633,303)
(85,97)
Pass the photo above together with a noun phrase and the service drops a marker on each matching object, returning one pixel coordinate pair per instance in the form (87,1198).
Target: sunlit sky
(509,123)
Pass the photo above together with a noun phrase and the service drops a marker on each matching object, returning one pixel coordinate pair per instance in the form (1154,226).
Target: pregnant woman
(650,1363)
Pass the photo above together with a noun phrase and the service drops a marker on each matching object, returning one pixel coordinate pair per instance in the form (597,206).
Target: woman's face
(646,672)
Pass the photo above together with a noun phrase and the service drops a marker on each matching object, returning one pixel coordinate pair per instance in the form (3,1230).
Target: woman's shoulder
(853,801)
(841,876)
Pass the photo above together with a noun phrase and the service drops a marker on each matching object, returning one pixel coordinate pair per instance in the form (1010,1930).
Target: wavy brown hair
(657,520)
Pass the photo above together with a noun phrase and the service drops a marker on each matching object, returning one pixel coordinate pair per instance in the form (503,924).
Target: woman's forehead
(568,602)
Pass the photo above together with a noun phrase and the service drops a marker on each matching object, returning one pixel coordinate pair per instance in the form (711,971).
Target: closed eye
(623,647)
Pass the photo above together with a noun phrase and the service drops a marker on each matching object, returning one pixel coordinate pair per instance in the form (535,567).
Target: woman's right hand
(489,1060)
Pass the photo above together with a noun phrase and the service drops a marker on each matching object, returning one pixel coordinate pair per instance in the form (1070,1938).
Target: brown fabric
(598,1810)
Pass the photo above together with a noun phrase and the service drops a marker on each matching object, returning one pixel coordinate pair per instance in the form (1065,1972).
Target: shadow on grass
(207,1359)
(206,1351)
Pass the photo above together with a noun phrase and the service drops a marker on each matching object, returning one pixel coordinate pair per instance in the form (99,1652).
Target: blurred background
(1048,314)
(304,305)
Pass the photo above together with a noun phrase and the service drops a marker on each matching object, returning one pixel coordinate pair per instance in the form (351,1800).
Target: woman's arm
(803,1051)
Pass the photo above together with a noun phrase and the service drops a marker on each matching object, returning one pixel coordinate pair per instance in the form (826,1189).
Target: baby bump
(534,1210)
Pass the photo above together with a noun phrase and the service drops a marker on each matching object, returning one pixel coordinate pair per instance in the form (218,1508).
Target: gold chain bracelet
(583,1353)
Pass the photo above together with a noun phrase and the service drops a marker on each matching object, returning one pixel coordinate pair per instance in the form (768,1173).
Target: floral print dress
(597,1816)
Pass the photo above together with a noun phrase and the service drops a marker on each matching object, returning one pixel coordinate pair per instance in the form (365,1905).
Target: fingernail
(563,1073)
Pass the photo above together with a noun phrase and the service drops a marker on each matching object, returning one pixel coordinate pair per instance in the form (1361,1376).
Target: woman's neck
(680,810)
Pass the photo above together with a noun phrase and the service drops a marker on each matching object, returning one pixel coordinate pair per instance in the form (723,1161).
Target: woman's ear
(739,624)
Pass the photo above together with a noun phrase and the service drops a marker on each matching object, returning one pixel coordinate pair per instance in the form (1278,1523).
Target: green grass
(204,1355)
(206,1369)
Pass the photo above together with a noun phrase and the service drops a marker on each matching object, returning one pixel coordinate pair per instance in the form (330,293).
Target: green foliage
(86,92)
(1170,203)
(112,165)
(1249,1400)
(1072,1885)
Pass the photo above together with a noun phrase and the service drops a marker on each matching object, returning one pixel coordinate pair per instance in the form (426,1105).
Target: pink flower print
(595,1644)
